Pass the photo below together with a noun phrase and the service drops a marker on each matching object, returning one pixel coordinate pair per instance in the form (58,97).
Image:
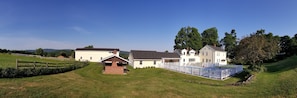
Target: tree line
(55,53)
(255,49)
(42,52)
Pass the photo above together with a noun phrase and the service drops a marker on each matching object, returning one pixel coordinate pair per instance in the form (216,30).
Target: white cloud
(15,43)
(80,30)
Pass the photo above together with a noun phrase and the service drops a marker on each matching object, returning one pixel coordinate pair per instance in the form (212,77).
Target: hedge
(29,72)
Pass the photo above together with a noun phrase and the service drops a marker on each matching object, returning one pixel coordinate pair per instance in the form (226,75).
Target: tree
(293,45)
(285,44)
(90,46)
(62,53)
(288,45)
(51,54)
(188,37)
(39,51)
(72,54)
(210,36)
(255,49)
(229,41)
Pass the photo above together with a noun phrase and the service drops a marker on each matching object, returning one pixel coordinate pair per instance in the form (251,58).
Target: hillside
(152,82)
(7,60)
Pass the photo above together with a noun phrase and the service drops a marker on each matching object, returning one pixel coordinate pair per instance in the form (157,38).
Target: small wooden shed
(114,65)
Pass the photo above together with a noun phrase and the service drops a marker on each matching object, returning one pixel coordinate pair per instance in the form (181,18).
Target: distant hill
(124,52)
(50,50)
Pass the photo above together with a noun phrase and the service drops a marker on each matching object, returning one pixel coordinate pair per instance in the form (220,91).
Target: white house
(189,57)
(143,59)
(94,54)
(212,54)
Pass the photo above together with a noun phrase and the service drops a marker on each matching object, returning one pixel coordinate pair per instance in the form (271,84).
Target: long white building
(94,54)
(144,59)
(207,55)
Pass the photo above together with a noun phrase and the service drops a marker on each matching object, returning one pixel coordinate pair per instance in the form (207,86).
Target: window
(80,57)
(184,60)
(202,60)
(223,60)
(101,58)
(202,53)
(140,62)
(209,60)
(206,53)
(90,58)
(154,62)
(191,59)
(218,54)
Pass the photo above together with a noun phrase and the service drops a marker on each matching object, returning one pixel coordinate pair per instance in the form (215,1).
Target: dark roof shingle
(216,48)
(141,54)
(106,49)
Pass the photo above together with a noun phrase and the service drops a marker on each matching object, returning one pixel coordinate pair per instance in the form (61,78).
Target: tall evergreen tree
(285,44)
(288,45)
(188,37)
(293,45)
(210,36)
(229,41)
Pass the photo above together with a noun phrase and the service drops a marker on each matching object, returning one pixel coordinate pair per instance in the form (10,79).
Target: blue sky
(134,24)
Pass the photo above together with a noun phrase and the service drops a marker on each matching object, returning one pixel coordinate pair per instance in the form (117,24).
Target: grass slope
(90,82)
(7,60)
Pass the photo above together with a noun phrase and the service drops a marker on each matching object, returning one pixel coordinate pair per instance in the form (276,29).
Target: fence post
(34,64)
(221,76)
(47,64)
(191,70)
(16,63)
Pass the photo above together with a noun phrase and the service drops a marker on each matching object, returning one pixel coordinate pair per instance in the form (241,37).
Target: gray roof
(104,49)
(143,54)
(216,48)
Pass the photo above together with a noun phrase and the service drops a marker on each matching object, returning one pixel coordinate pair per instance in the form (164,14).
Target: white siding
(131,59)
(146,63)
(188,59)
(206,55)
(92,55)
(220,57)
(209,55)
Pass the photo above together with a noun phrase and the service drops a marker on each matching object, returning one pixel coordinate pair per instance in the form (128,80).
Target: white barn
(94,54)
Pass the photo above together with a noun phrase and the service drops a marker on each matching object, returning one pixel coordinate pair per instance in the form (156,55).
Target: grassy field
(7,60)
(89,81)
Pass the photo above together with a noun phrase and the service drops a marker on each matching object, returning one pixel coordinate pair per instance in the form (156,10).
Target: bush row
(29,72)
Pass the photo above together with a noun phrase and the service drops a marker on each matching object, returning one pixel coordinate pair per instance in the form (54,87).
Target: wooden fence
(36,64)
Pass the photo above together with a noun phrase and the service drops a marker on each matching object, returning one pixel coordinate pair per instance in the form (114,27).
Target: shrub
(29,72)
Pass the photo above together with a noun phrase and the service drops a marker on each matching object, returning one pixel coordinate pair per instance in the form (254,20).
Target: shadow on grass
(242,75)
(283,65)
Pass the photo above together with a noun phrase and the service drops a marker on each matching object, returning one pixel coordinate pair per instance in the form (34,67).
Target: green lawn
(153,83)
(7,60)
